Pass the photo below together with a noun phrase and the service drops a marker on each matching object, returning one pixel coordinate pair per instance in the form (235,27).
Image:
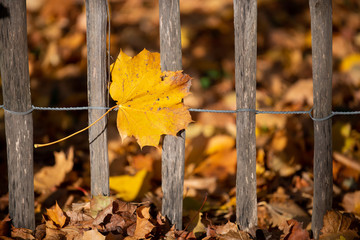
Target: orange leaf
(56,215)
(149,101)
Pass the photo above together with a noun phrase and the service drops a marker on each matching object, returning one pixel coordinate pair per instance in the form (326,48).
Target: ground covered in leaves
(57,60)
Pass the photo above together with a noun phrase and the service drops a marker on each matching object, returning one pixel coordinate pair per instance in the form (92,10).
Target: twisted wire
(190,109)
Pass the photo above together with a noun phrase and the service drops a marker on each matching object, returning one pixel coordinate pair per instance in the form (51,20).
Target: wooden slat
(245,23)
(321,32)
(96,16)
(18,128)
(173,155)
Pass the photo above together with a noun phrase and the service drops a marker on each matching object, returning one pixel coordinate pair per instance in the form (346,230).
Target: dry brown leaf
(177,235)
(229,226)
(76,216)
(118,217)
(21,233)
(92,234)
(54,234)
(73,232)
(116,223)
(143,224)
(49,177)
(338,224)
(56,215)
(230,231)
(278,214)
(295,231)
(99,203)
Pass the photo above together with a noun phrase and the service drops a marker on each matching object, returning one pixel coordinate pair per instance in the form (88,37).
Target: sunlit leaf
(149,101)
(128,187)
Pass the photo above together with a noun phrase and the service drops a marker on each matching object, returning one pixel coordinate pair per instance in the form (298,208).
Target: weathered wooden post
(96,16)
(173,155)
(321,32)
(17,100)
(245,23)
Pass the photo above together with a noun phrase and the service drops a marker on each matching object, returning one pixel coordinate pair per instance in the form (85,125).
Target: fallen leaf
(49,177)
(196,226)
(295,231)
(149,101)
(98,203)
(56,215)
(54,234)
(128,187)
(21,233)
(93,234)
(143,224)
(230,231)
(102,212)
(73,232)
(40,231)
(279,213)
(338,224)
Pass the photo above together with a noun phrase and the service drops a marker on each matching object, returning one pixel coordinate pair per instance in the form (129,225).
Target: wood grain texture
(321,32)
(18,128)
(96,20)
(245,23)
(173,155)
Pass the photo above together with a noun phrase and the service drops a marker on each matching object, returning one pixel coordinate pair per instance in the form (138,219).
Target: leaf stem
(71,135)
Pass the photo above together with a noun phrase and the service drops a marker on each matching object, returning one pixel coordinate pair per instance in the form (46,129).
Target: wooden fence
(19,127)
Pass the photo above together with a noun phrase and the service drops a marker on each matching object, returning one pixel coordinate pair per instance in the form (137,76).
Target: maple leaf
(150,101)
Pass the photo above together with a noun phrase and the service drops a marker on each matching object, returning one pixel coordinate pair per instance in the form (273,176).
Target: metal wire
(190,109)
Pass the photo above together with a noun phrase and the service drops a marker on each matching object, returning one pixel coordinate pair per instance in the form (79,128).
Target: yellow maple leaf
(150,101)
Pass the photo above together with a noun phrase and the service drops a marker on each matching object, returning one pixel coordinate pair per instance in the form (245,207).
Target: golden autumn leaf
(128,187)
(56,215)
(150,101)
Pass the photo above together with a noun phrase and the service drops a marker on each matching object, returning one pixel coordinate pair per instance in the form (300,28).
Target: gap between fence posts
(96,23)
(245,26)
(173,154)
(321,32)
(18,128)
